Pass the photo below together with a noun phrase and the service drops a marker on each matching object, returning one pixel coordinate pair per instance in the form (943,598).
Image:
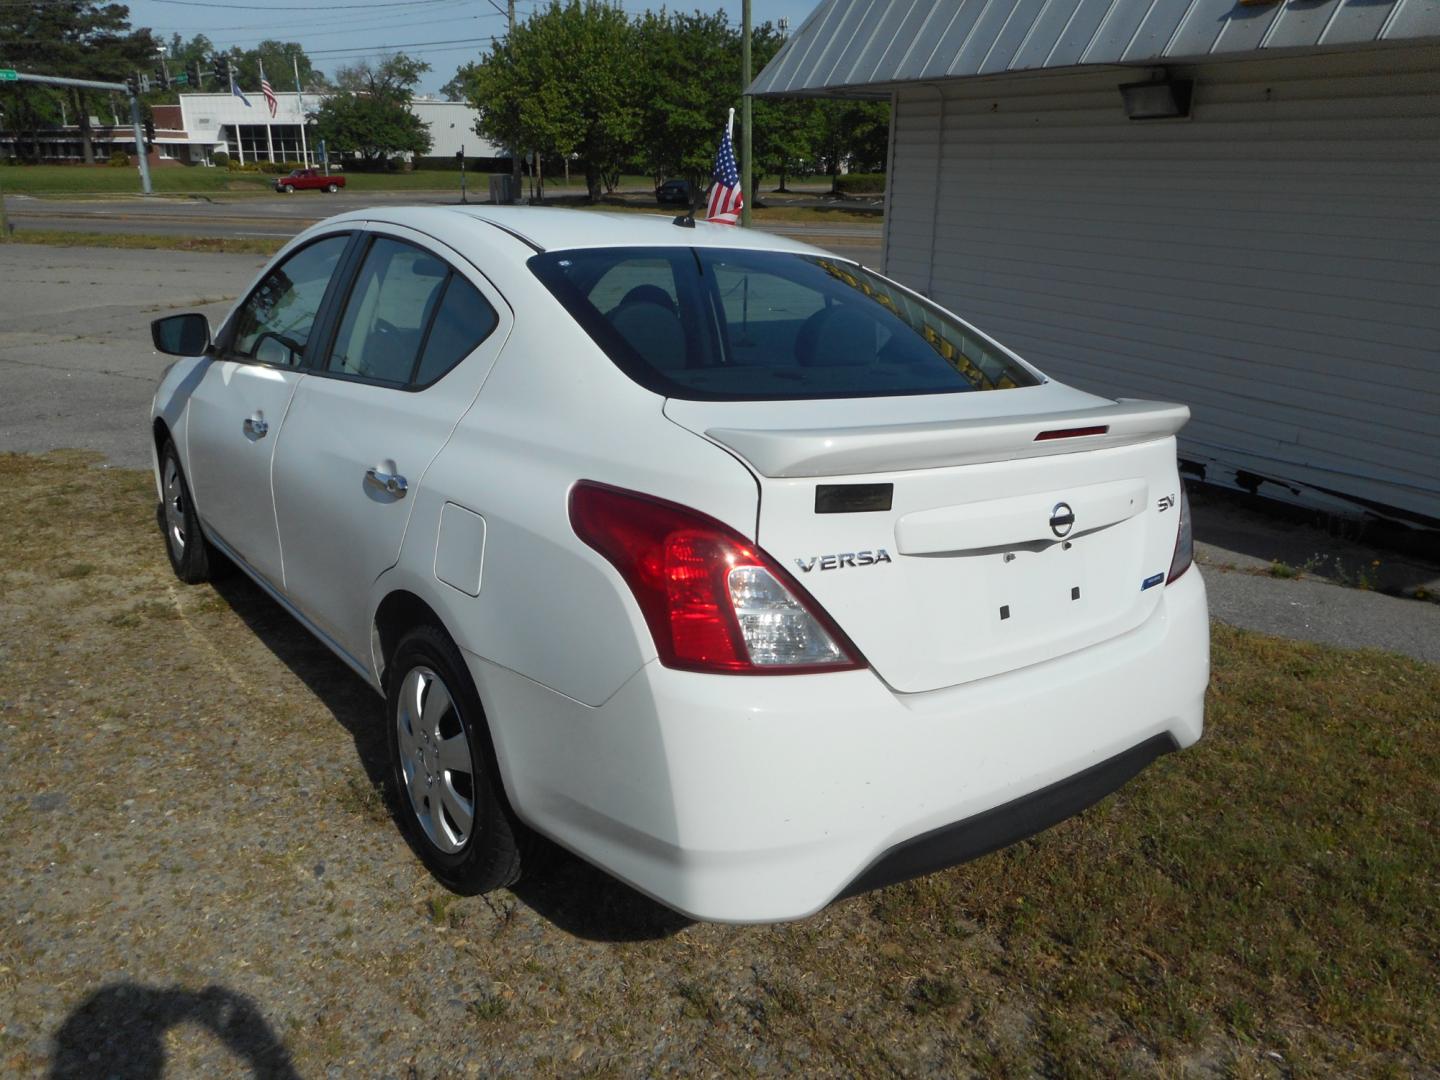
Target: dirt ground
(201,877)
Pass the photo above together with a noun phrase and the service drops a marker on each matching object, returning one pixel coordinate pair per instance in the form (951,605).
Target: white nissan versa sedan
(736,568)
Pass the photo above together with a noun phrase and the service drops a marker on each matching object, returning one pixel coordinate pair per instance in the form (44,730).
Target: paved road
(76,365)
(77,370)
(285,215)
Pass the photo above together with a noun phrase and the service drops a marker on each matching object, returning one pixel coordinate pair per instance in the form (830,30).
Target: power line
(384,45)
(265,7)
(207,30)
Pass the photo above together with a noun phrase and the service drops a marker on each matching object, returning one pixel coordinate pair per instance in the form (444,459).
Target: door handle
(257,426)
(390,483)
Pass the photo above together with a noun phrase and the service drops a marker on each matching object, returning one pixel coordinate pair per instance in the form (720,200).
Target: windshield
(720,324)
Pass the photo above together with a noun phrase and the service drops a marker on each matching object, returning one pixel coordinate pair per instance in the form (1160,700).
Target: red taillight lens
(713,601)
(1184,540)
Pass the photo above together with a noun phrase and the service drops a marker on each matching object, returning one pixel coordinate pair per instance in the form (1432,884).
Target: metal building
(1259,237)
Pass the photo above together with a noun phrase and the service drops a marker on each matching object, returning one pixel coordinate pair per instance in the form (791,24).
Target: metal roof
(854,44)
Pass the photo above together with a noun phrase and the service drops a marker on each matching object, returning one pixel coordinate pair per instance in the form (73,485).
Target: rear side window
(718,324)
(409,318)
(462,321)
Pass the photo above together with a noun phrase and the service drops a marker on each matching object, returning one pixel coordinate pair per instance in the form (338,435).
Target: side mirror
(181,335)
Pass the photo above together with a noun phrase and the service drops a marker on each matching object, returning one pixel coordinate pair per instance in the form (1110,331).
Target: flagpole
(300,103)
(746,172)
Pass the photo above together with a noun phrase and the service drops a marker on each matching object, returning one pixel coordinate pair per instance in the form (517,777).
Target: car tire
(191,556)
(433,742)
(332,188)
(287,189)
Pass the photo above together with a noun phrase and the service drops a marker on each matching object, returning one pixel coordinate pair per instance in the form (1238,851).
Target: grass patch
(488,1007)
(1263,904)
(225,245)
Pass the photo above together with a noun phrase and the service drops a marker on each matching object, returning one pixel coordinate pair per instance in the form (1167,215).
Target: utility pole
(131,89)
(515,150)
(4,221)
(747,186)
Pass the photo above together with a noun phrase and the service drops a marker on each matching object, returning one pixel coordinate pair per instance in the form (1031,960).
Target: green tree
(854,134)
(565,83)
(786,131)
(276,59)
(78,39)
(370,112)
(691,80)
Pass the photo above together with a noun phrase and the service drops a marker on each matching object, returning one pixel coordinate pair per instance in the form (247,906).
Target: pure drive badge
(843,559)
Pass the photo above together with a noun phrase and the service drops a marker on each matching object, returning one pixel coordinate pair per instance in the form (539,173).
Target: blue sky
(337,32)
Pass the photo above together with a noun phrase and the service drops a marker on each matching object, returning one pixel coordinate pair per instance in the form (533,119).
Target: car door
(236,409)
(418,332)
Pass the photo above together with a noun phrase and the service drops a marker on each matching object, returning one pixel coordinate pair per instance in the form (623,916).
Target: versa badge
(844,559)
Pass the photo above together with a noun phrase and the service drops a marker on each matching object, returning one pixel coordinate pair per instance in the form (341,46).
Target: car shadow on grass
(120,1031)
(565,890)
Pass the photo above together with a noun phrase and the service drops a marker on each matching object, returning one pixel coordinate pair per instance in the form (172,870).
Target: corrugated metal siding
(870,43)
(1274,261)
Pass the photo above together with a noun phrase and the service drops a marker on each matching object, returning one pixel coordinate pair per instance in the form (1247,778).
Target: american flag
(726,198)
(265,89)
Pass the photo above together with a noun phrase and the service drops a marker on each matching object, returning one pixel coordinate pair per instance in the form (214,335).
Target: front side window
(273,326)
(720,324)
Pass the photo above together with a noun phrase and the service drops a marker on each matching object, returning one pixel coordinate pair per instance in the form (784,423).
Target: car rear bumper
(754,799)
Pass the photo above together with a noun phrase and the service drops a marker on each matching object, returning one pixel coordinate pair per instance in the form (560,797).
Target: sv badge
(1166,502)
(844,559)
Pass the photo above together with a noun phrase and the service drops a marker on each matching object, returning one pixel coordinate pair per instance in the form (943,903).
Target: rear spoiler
(934,445)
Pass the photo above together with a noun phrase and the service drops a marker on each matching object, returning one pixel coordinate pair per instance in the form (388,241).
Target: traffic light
(193,70)
(162,79)
(132,84)
(149,133)
(220,65)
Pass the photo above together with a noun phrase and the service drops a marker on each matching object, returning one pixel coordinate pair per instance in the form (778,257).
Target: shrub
(221,159)
(857,183)
(119,159)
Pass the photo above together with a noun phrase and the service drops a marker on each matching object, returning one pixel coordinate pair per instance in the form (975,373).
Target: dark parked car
(675,192)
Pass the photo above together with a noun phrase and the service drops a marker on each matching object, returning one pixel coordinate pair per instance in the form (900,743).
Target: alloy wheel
(435,761)
(174,487)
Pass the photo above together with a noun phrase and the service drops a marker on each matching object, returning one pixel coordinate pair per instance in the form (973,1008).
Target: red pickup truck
(308,179)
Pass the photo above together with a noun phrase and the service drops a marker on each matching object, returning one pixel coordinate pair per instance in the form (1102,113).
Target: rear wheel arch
(399,613)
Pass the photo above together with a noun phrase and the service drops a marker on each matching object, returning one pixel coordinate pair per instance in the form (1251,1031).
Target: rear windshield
(721,325)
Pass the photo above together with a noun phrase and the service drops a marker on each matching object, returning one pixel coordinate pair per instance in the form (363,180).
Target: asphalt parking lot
(202,878)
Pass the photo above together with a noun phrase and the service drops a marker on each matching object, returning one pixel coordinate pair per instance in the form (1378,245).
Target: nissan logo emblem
(1062,520)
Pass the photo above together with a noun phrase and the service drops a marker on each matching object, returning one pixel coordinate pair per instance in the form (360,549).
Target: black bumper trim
(1004,825)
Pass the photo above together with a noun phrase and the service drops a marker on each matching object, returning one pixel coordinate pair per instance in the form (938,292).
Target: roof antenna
(687,219)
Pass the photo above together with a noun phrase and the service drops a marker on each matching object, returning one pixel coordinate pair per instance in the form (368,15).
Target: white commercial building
(1254,230)
(452,128)
(204,123)
(201,124)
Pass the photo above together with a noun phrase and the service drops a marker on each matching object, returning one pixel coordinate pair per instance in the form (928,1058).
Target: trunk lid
(958,536)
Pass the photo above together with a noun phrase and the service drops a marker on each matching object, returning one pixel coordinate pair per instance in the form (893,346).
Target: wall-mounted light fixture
(1161,98)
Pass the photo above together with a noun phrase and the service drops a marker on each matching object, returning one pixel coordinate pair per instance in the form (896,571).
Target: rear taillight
(713,601)
(1184,540)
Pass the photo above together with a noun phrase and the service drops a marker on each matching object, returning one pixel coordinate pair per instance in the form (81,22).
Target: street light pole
(747,186)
